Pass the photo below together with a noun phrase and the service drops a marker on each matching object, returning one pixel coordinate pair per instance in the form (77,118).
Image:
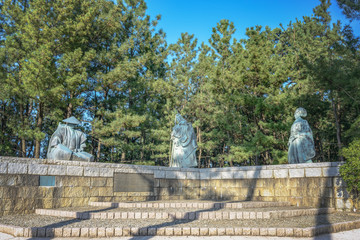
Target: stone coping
(14,165)
(190,204)
(177,231)
(195,215)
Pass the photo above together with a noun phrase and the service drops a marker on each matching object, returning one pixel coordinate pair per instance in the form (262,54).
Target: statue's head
(300,112)
(179,118)
(71,121)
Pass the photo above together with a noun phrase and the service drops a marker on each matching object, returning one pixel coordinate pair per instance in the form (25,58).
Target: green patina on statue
(66,143)
(184,144)
(301,142)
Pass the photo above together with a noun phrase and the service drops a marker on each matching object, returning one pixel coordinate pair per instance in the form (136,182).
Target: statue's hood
(72,120)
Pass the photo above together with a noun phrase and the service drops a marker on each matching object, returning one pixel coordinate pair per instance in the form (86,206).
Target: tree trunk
(23,142)
(69,110)
(98,150)
(338,127)
(70,107)
(39,126)
(123,156)
(200,150)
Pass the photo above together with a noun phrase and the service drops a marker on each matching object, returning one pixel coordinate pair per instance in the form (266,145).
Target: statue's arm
(82,142)
(56,138)
(294,133)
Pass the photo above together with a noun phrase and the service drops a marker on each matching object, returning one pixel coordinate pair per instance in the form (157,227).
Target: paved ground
(347,235)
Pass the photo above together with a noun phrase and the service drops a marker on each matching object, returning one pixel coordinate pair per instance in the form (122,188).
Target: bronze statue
(66,143)
(184,144)
(301,142)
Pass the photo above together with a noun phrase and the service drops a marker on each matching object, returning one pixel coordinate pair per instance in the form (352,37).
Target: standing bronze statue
(301,142)
(66,143)
(184,145)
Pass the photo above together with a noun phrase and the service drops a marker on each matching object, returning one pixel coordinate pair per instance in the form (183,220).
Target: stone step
(174,214)
(102,232)
(190,204)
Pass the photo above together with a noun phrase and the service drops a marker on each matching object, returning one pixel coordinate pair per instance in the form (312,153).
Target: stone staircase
(183,218)
(189,211)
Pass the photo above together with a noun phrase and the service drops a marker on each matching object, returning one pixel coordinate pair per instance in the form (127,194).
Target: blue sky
(198,17)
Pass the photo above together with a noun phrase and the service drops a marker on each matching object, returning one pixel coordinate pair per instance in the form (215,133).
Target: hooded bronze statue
(184,144)
(66,143)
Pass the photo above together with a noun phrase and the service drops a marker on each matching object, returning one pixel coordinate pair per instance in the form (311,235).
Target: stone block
(38,169)
(205,175)
(109,232)
(240,175)
(75,171)
(101,232)
(18,232)
(58,232)
(84,232)
(56,170)
(75,232)
(118,232)
(238,231)
(106,172)
(297,232)
(169,231)
(134,231)
(177,231)
(213,231)
(221,231)
(159,174)
(193,175)
(93,232)
(195,231)
(255,231)
(253,174)
(263,231)
(246,231)
(227,175)
(50,232)
(296,173)
(204,231)
(3,167)
(271,231)
(289,232)
(175,175)
(266,174)
(308,232)
(152,231)
(313,172)
(160,231)
(281,173)
(143,231)
(91,172)
(66,232)
(17,168)
(280,232)
(229,231)
(41,232)
(331,172)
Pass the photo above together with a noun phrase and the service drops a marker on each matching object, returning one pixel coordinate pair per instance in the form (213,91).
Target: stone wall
(77,183)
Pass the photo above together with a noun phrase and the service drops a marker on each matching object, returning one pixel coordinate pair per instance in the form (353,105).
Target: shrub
(350,171)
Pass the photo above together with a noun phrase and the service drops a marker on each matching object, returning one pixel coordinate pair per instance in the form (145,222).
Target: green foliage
(351,8)
(350,170)
(106,63)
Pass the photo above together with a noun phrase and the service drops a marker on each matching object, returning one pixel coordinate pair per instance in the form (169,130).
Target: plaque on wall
(133,182)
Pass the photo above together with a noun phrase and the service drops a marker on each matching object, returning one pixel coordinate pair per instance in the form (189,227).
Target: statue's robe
(68,144)
(301,142)
(184,146)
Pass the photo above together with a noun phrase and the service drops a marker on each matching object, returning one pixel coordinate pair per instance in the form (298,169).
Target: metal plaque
(133,182)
